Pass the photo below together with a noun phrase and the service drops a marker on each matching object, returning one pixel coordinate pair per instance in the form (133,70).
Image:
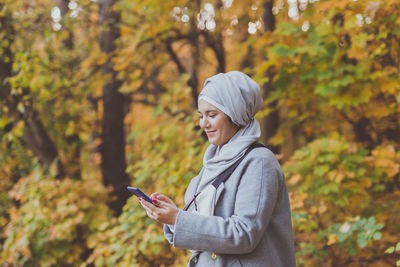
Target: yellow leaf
(313,209)
(297,200)
(101,59)
(322,207)
(385,157)
(366,182)
(357,53)
(121,64)
(332,239)
(294,179)
(356,200)
(377,111)
(125,30)
(85,64)
(336,176)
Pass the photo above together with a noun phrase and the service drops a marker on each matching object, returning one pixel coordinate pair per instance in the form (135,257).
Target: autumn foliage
(70,69)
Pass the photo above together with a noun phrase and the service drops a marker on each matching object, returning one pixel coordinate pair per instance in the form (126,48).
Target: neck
(237,128)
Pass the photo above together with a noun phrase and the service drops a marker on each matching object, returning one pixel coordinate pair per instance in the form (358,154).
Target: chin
(213,142)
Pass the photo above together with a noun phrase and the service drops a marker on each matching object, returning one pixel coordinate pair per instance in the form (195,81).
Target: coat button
(214,256)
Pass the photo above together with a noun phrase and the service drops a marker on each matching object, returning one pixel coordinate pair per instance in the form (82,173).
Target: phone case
(136,191)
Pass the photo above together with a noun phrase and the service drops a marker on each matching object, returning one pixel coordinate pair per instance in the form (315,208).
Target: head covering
(239,97)
(235,94)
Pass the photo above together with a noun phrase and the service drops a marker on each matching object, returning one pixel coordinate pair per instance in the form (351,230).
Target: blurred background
(99,94)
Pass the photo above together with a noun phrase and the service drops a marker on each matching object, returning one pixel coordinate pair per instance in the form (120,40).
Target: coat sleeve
(169,235)
(240,233)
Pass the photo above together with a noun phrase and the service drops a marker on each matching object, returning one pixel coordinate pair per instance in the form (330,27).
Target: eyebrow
(208,111)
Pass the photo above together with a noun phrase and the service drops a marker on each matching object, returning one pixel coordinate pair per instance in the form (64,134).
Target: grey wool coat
(251,225)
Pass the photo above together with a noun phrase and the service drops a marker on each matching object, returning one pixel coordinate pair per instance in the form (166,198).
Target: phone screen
(136,191)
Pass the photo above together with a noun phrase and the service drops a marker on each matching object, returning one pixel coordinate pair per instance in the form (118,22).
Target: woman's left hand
(164,209)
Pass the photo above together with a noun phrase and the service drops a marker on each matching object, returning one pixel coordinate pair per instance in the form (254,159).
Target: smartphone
(138,193)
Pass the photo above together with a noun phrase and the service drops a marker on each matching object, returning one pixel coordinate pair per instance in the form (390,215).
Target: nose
(204,123)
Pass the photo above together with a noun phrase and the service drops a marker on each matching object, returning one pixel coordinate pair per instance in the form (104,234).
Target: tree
(271,120)
(113,162)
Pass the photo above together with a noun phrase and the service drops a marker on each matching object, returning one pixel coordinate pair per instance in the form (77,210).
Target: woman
(245,220)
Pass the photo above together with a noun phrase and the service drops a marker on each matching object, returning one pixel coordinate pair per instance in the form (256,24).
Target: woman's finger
(144,205)
(161,204)
(150,213)
(154,195)
(165,199)
(147,205)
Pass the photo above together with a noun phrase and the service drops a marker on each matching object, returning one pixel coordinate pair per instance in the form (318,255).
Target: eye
(212,115)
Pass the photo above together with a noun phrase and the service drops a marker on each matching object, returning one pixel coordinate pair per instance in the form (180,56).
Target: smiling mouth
(210,132)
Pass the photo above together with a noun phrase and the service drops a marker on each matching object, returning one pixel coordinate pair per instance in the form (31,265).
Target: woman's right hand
(164,209)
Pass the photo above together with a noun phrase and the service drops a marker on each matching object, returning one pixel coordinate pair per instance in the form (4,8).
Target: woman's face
(217,125)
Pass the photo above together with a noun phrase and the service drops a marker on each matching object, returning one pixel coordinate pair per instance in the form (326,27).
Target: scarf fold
(217,159)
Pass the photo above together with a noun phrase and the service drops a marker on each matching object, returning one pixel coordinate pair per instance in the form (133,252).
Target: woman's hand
(164,209)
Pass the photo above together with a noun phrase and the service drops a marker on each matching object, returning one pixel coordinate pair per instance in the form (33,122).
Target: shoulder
(263,160)
(262,154)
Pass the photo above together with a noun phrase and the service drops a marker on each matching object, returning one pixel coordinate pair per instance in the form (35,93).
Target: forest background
(97,95)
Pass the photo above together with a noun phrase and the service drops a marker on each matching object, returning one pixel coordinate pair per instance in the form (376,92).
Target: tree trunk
(195,54)
(38,140)
(113,163)
(271,121)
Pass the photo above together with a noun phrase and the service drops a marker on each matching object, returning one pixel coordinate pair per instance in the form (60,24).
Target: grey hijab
(239,97)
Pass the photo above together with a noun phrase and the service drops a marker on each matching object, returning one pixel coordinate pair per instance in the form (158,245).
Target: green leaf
(377,236)
(282,50)
(396,32)
(325,90)
(321,170)
(370,223)
(361,243)
(389,250)
(288,29)
(353,251)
